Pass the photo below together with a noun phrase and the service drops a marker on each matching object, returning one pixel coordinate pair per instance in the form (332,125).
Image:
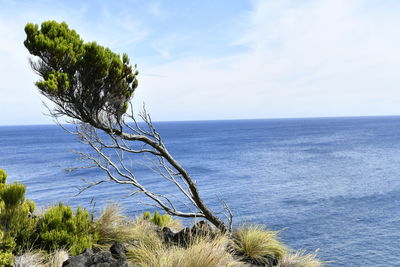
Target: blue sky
(224,59)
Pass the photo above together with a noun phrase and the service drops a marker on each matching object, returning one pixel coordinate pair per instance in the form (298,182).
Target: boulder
(98,258)
(118,251)
(183,237)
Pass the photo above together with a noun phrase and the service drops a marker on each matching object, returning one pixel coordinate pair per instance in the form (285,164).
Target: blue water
(332,183)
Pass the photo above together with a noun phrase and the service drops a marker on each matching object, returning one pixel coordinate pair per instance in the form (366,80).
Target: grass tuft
(200,252)
(258,245)
(30,259)
(57,258)
(113,227)
(301,259)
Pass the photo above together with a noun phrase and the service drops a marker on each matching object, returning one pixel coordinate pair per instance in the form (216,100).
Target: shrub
(14,214)
(258,245)
(61,228)
(162,220)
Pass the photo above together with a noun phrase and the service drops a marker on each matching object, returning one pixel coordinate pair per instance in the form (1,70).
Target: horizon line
(239,119)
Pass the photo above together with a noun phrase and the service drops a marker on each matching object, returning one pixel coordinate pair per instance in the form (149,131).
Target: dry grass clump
(147,242)
(301,259)
(112,226)
(200,252)
(57,258)
(30,259)
(258,245)
(39,258)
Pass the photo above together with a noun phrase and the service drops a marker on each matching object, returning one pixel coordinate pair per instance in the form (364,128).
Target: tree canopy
(86,81)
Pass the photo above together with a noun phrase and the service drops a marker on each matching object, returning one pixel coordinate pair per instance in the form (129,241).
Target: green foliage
(85,79)
(12,194)
(60,227)
(3,176)
(7,244)
(147,215)
(6,258)
(160,220)
(18,228)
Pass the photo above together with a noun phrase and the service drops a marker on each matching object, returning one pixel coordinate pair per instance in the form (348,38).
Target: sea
(331,184)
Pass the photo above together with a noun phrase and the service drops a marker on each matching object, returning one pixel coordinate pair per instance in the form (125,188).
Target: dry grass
(201,252)
(257,244)
(39,258)
(301,259)
(112,226)
(30,259)
(57,258)
(147,242)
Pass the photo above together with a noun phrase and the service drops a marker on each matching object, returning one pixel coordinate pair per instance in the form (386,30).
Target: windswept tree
(93,87)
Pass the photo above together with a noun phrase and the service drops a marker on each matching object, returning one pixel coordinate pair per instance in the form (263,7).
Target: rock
(168,235)
(267,262)
(184,236)
(98,258)
(203,228)
(118,251)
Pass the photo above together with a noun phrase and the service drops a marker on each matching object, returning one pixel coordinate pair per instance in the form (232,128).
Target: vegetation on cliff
(48,237)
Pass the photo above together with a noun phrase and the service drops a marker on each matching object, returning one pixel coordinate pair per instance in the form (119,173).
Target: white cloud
(301,58)
(318,58)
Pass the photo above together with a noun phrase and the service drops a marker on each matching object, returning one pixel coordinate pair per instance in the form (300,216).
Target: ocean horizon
(329,183)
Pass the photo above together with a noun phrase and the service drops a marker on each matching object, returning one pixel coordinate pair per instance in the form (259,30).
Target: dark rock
(118,251)
(96,258)
(168,235)
(184,236)
(267,261)
(203,228)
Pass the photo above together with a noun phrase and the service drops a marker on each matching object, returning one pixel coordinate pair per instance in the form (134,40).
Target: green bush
(15,221)
(59,227)
(162,220)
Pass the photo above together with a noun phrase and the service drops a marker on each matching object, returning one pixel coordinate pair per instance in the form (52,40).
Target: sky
(203,60)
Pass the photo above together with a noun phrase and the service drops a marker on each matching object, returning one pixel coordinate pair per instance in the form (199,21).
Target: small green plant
(60,227)
(256,244)
(162,220)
